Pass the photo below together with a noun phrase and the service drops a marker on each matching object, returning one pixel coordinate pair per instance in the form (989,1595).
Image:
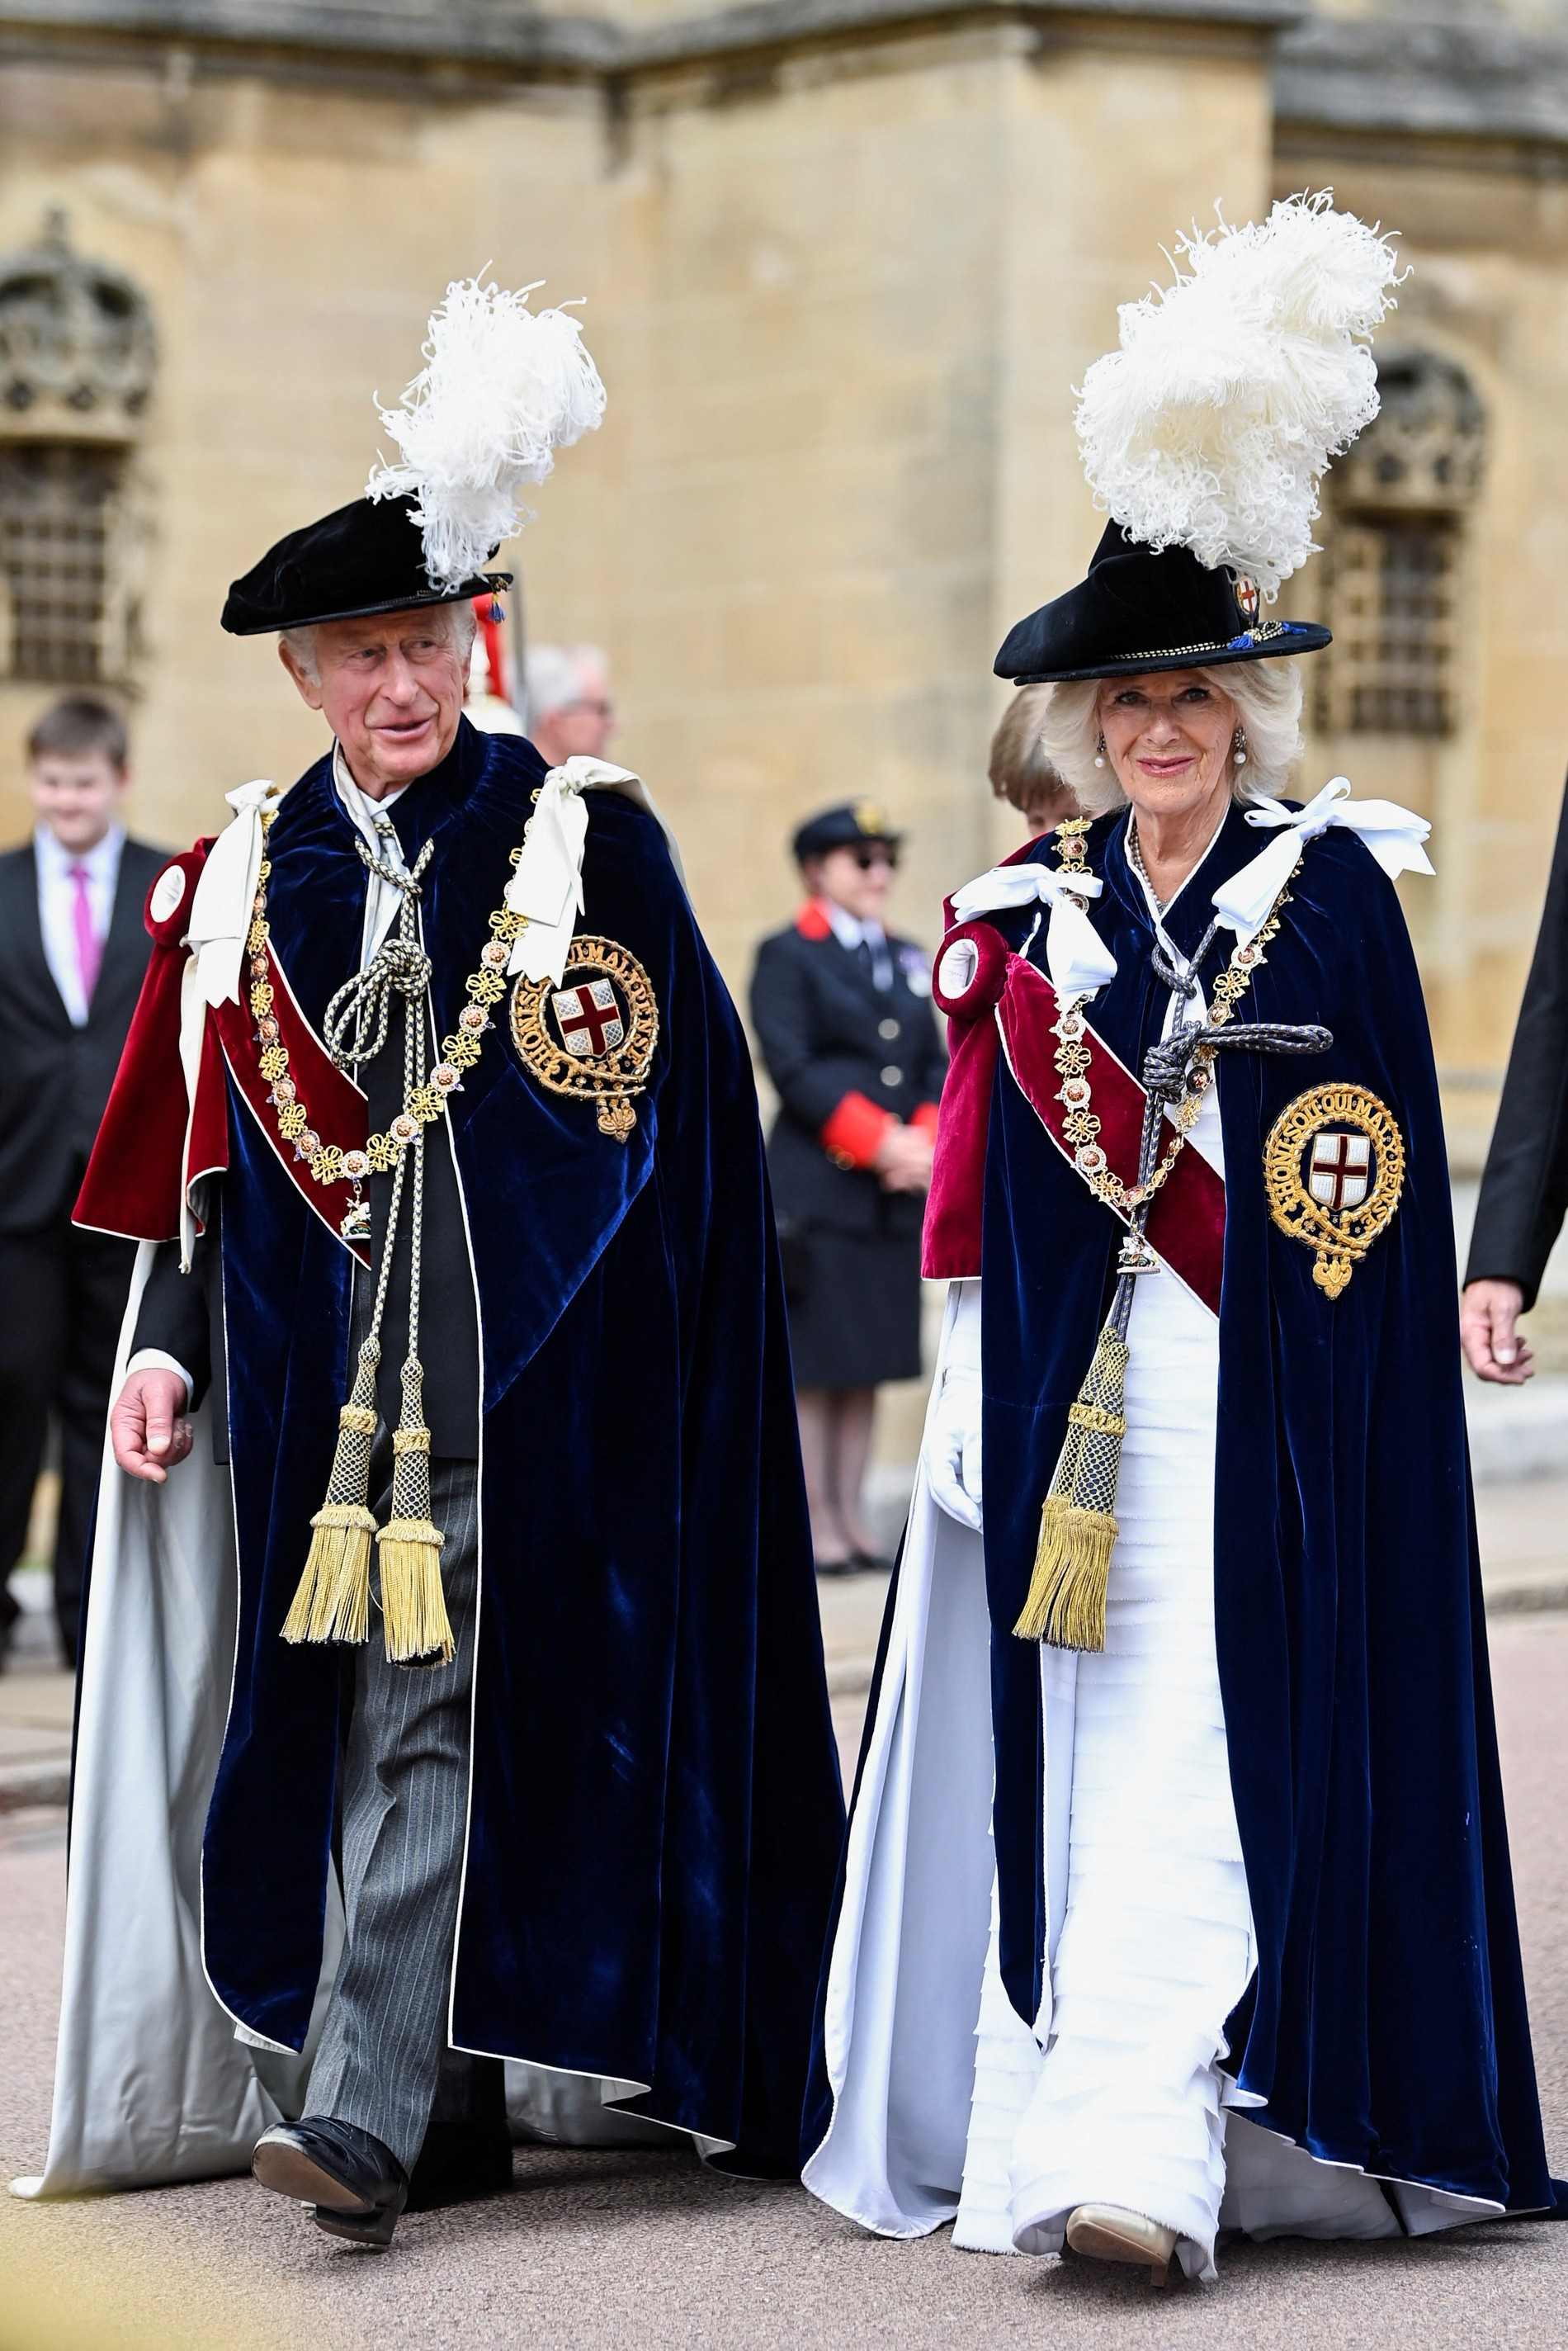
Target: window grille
(57,501)
(1394,547)
(1393,586)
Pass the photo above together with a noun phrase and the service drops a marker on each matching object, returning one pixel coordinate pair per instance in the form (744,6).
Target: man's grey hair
(460,617)
(553,676)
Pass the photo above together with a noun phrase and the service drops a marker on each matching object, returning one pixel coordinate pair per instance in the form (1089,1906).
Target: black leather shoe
(357,2185)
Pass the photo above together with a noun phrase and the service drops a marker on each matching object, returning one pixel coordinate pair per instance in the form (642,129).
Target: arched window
(1395,548)
(77,359)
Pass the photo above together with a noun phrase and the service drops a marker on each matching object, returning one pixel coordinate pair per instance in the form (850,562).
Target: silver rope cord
(355,1028)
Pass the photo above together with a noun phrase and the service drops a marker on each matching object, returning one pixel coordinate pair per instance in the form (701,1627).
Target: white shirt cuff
(153,1359)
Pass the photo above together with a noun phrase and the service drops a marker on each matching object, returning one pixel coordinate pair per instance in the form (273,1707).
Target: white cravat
(57,907)
(381,901)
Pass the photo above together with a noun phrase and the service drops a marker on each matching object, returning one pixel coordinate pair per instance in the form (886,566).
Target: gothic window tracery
(1395,551)
(78,359)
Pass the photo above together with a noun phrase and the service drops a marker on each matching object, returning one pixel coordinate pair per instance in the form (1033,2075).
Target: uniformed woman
(842,1011)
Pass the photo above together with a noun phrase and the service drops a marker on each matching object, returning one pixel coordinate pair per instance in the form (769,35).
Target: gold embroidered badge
(1334,1166)
(592,1037)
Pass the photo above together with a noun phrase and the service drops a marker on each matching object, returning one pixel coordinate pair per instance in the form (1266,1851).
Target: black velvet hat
(848,827)
(366,557)
(1139,610)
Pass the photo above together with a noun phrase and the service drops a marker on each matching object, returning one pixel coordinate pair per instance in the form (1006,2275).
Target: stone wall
(839,298)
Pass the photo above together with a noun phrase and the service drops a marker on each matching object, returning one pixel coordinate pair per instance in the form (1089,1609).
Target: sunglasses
(867,858)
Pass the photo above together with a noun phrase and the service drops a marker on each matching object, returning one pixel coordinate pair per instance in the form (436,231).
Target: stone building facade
(843,261)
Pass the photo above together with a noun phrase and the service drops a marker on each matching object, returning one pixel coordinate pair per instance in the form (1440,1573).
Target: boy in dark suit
(76,949)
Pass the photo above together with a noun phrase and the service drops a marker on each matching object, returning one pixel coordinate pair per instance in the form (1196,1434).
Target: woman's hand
(1488,1313)
(148,1427)
(903,1161)
(953,1462)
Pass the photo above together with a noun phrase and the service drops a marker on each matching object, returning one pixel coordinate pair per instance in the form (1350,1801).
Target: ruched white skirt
(1156,1948)
(1156,1945)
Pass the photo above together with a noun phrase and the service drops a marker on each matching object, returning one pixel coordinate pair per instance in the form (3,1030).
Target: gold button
(892,1075)
(889,1028)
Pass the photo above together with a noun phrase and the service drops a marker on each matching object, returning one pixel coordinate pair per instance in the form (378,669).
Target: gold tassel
(333,1602)
(413,1604)
(1066,1603)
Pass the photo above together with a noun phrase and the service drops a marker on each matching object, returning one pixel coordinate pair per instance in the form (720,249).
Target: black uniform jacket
(1524,1191)
(55,1078)
(835,1045)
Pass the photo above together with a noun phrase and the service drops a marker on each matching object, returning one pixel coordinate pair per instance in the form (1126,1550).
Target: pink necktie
(90,947)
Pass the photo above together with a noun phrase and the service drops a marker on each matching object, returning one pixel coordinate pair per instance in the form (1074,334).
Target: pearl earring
(1240,748)
(1100,752)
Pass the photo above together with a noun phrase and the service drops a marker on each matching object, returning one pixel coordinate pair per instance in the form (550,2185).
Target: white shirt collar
(848,928)
(381,901)
(357,800)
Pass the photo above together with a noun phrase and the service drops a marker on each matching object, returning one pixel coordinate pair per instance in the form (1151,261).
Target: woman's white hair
(1268,699)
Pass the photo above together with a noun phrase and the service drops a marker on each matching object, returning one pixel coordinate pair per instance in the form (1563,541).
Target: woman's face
(1169,736)
(856,879)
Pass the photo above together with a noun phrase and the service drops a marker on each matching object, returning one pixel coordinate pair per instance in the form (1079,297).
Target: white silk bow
(1394,835)
(547,887)
(1076,958)
(221,910)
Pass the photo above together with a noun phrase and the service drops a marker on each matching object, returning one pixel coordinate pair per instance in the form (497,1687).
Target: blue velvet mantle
(655,1811)
(1385,2025)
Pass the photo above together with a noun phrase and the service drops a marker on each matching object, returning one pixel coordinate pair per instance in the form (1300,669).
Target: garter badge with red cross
(592,1037)
(1334,1167)
(588,1018)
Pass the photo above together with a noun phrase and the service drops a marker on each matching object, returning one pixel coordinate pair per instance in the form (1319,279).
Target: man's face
(390,688)
(581,728)
(77,796)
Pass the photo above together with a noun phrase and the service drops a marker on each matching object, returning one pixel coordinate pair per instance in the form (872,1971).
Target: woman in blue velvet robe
(1202,1918)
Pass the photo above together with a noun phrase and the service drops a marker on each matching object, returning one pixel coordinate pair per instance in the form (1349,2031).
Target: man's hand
(903,1161)
(147,1427)
(1488,1313)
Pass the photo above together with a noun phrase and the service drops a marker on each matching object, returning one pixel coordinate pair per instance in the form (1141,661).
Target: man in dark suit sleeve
(75,949)
(1524,1190)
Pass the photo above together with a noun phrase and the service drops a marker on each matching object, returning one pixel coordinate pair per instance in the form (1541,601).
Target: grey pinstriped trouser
(405,1798)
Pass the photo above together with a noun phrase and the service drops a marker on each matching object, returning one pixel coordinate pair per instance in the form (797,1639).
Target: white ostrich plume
(501,389)
(1211,426)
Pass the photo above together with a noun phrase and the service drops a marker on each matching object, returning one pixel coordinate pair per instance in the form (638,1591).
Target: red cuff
(924,1118)
(853,1136)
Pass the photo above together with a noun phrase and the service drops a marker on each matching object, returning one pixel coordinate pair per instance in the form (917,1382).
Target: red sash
(155,1142)
(1187,1222)
(336,1104)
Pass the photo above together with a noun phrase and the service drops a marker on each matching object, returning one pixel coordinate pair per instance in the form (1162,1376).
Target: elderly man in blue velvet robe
(439,1129)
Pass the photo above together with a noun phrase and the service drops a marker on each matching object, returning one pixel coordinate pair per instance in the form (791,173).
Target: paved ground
(649,2251)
